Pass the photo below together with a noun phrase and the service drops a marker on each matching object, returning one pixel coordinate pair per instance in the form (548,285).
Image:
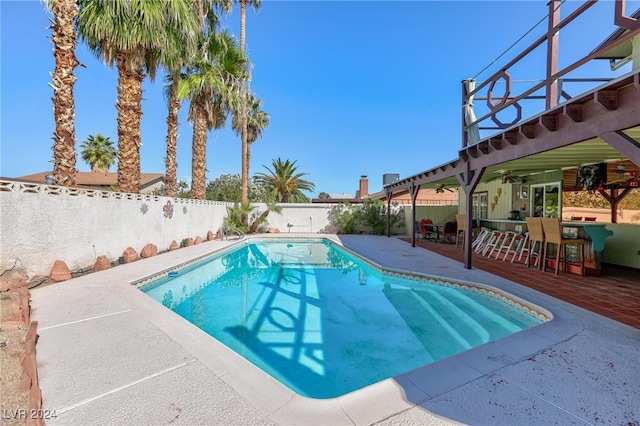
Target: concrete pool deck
(109,354)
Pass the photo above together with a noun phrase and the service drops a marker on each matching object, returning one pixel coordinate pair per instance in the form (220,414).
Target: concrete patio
(108,354)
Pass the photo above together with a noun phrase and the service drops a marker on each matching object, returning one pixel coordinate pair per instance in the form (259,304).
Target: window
(545,200)
(480,205)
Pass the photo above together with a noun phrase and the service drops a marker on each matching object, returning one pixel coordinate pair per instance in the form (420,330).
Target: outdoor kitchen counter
(594,234)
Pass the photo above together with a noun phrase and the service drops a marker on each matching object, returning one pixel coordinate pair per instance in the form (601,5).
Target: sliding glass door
(545,200)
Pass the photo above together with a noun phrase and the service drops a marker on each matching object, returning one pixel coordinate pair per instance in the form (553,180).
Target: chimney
(364,187)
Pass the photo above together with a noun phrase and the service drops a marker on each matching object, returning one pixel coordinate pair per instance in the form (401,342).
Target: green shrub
(342,216)
(372,213)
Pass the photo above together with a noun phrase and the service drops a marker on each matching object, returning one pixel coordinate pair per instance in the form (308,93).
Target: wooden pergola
(594,127)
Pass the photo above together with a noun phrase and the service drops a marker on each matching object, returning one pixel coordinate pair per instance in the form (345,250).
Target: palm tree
(63,38)
(245,143)
(210,84)
(174,62)
(257,121)
(285,183)
(170,161)
(132,35)
(98,152)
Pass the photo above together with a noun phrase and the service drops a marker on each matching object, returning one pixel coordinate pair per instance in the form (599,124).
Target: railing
(551,86)
(229,230)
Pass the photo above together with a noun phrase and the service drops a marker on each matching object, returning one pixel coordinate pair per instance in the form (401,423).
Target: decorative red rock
(189,242)
(210,236)
(174,246)
(219,234)
(129,255)
(273,230)
(102,263)
(60,271)
(13,279)
(198,240)
(149,250)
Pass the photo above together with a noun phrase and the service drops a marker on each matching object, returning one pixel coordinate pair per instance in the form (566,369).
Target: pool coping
(389,399)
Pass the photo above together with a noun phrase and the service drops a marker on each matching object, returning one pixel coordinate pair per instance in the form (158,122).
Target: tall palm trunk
(245,144)
(129,106)
(171,161)
(64,42)
(199,155)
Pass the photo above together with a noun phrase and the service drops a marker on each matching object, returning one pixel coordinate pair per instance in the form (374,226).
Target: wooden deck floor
(614,294)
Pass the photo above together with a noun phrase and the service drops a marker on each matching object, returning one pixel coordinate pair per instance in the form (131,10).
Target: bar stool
(505,244)
(514,246)
(553,235)
(536,235)
(524,247)
(495,239)
(478,243)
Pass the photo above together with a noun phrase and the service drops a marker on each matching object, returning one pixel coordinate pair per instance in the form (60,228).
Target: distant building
(440,196)
(149,182)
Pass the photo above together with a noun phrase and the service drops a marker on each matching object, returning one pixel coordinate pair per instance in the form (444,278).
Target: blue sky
(352,87)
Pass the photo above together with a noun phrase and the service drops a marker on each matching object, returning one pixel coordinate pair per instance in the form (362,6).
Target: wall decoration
(524,192)
(144,208)
(168,210)
(593,176)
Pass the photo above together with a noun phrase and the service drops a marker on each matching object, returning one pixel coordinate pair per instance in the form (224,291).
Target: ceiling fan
(507,176)
(441,188)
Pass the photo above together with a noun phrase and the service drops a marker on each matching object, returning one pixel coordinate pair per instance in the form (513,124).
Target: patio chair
(553,235)
(428,231)
(450,230)
(418,229)
(461,222)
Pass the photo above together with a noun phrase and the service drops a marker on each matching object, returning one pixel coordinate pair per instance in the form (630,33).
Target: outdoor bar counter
(593,233)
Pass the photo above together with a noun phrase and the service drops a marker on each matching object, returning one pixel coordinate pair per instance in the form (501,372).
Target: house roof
(95,179)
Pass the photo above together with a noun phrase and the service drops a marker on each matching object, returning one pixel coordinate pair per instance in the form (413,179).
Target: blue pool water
(324,322)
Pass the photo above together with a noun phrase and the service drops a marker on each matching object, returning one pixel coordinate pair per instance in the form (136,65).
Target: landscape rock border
(19,338)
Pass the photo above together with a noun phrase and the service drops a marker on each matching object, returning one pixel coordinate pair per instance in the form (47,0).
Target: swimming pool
(325,322)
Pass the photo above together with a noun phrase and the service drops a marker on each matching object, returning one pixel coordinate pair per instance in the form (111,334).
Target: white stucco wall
(313,218)
(40,224)
(78,226)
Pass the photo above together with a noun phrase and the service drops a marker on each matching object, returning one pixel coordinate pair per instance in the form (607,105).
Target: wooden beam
(528,130)
(574,112)
(483,147)
(608,99)
(496,143)
(614,197)
(550,122)
(511,137)
(413,191)
(626,145)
